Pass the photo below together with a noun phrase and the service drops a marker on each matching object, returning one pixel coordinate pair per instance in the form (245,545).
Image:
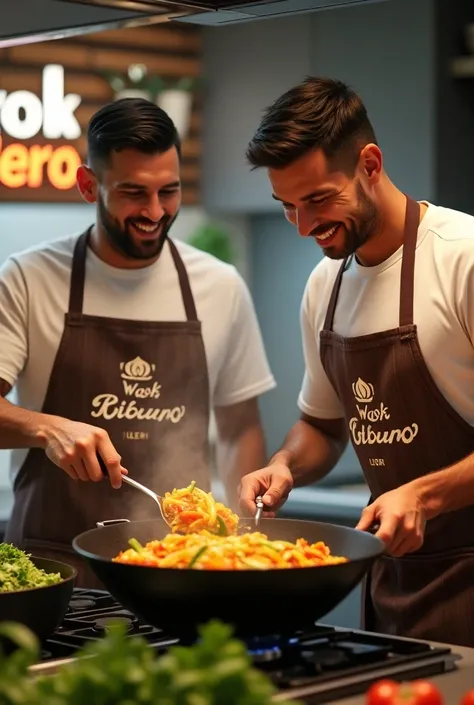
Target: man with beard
(117,343)
(388,329)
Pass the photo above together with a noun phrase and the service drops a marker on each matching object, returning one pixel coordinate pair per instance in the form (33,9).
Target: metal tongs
(258,513)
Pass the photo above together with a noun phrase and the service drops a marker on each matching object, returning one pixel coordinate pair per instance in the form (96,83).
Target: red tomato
(382,693)
(468,698)
(419,692)
(425,693)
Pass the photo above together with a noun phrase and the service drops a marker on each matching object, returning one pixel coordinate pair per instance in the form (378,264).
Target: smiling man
(118,343)
(388,328)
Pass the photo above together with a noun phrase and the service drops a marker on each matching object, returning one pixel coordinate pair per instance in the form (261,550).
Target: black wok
(41,609)
(253,601)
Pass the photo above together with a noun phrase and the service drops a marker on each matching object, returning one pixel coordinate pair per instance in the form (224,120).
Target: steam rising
(175,464)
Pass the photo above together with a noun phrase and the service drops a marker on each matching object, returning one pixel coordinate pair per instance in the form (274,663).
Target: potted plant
(174,96)
(176,99)
(212,238)
(135,83)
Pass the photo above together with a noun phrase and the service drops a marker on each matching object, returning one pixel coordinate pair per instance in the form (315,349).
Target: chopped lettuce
(18,572)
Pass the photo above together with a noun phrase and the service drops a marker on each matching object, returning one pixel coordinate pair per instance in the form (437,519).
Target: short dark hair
(130,123)
(319,113)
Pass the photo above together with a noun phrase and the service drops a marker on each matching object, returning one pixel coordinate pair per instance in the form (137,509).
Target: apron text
(109,407)
(365,435)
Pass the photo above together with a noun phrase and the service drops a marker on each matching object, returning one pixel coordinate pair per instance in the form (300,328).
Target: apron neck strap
(407,277)
(78,274)
(186,293)
(76,290)
(328,323)
(410,236)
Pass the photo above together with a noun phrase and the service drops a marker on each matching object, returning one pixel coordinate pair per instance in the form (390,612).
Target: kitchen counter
(452,685)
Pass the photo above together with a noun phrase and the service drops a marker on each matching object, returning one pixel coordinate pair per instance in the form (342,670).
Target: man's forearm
(238,457)
(309,452)
(446,490)
(240,446)
(20,428)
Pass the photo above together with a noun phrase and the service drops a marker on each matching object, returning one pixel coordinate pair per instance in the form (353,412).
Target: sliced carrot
(189,516)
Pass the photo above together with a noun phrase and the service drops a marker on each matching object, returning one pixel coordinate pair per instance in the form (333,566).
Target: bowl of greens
(34,591)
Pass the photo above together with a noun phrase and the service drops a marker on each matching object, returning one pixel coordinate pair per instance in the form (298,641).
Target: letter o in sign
(22,129)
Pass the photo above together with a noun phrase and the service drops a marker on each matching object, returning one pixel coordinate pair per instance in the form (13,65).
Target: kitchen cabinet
(423,115)
(245,67)
(248,66)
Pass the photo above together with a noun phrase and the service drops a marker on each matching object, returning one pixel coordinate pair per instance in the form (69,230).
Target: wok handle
(111,522)
(373,529)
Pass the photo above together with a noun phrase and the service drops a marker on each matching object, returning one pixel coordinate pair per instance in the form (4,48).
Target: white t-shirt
(369,302)
(34,295)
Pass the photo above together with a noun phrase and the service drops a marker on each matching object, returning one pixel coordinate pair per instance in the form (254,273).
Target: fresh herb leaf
(123,670)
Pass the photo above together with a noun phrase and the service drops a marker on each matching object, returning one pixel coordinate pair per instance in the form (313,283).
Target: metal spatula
(138,486)
(158,499)
(147,491)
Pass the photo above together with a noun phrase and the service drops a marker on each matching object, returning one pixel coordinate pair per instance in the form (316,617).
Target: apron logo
(137,376)
(137,370)
(363,433)
(363,392)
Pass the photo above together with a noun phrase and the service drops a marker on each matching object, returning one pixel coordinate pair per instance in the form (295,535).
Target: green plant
(213,239)
(119,670)
(137,77)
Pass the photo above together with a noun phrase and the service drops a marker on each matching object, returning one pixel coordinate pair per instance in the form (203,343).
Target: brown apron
(401,428)
(146,384)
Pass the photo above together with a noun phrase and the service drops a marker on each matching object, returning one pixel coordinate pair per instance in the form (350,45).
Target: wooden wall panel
(171,51)
(92,58)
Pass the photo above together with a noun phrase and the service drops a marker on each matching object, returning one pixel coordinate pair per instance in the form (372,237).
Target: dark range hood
(27,21)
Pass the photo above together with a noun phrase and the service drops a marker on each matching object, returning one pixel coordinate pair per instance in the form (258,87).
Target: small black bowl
(40,609)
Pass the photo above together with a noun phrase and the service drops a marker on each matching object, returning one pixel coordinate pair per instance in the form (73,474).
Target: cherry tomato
(387,692)
(468,698)
(383,692)
(424,693)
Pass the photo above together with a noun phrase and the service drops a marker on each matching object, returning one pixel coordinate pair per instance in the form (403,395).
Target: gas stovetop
(319,664)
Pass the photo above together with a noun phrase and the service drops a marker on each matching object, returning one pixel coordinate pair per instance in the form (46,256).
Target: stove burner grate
(318,659)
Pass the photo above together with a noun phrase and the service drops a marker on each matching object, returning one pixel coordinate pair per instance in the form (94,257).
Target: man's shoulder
(451,240)
(46,255)
(204,266)
(450,225)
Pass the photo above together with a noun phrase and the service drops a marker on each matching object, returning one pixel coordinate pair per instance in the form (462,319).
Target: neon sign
(24,116)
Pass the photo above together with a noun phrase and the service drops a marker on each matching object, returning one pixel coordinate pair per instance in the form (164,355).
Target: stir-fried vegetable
(190,509)
(205,535)
(18,572)
(126,671)
(206,551)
